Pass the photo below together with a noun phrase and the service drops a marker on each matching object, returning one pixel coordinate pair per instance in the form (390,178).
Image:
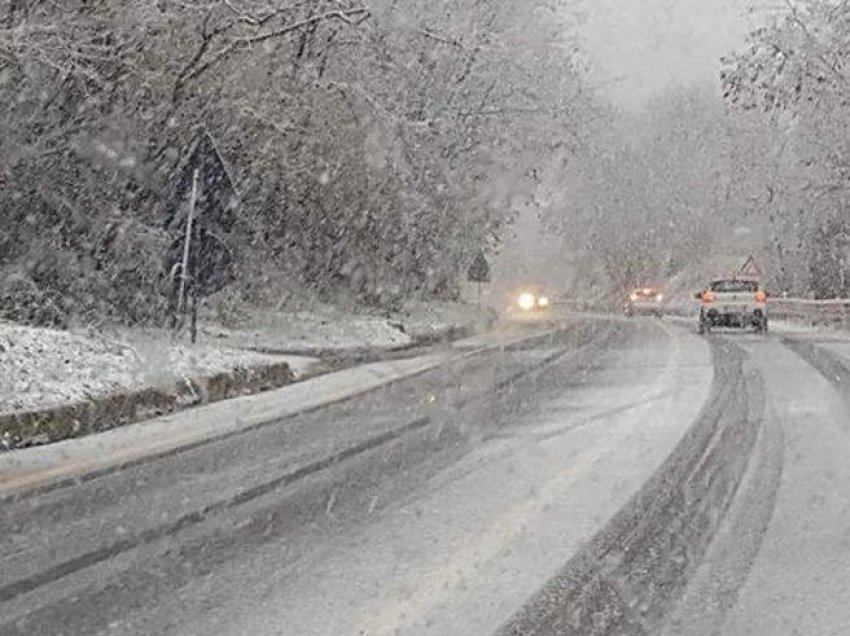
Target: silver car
(732,302)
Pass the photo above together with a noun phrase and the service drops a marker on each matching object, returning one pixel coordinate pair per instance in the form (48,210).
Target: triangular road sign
(479,269)
(750,268)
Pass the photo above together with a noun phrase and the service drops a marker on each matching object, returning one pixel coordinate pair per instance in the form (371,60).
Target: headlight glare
(526,301)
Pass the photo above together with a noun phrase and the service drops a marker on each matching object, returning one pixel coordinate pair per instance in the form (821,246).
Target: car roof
(735,279)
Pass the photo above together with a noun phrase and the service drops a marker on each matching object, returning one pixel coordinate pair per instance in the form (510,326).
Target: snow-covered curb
(28,428)
(41,368)
(31,469)
(57,385)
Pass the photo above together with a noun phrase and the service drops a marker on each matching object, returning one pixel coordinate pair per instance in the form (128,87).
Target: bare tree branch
(444,39)
(349,16)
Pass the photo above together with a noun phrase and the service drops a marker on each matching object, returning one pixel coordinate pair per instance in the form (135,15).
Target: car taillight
(708,297)
(761,297)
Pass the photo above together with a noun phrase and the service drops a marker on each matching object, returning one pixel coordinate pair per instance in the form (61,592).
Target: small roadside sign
(479,272)
(479,269)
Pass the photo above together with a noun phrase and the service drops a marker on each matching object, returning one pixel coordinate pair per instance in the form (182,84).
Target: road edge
(48,425)
(38,469)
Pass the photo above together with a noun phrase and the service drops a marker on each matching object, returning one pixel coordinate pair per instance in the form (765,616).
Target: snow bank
(45,368)
(322,328)
(41,368)
(308,332)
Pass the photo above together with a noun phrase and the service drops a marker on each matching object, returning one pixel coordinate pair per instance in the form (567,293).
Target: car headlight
(659,297)
(543,301)
(526,301)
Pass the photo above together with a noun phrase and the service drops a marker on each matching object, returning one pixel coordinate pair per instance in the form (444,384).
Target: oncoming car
(732,302)
(529,303)
(532,301)
(644,301)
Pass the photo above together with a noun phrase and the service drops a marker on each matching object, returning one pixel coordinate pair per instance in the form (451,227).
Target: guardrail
(832,311)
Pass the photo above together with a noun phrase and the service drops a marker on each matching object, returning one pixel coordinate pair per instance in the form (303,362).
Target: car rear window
(738,286)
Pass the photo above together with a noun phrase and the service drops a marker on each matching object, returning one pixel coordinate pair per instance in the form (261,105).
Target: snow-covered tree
(795,71)
(653,192)
(375,146)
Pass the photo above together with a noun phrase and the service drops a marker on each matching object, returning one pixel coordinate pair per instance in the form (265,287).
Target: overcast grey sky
(637,47)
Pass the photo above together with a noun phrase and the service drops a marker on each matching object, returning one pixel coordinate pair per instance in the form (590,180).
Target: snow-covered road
(470,545)
(570,483)
(781,563)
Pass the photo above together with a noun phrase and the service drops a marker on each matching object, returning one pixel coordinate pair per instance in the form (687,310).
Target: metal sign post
(187,245)
(479,272)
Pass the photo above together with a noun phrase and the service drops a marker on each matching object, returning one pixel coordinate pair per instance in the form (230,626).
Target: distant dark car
(644,301)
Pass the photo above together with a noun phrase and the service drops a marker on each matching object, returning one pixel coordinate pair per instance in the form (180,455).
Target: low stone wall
(18,430)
